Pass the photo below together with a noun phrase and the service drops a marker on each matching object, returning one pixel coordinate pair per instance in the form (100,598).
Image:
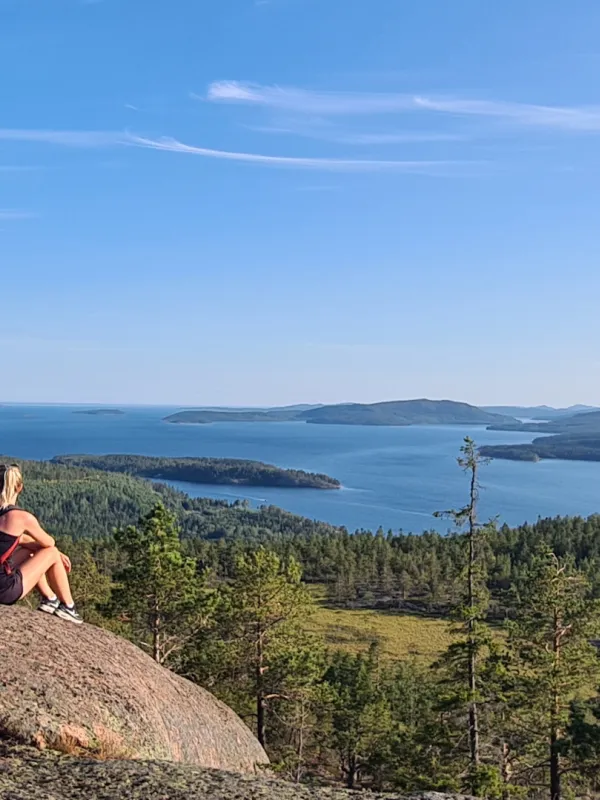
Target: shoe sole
(67,617)
(47,610)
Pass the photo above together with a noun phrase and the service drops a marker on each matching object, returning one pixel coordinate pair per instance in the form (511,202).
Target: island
(566,448)
(217,471)
(392,413)
(538,413)
(580,423)
(576,438)
(100,412)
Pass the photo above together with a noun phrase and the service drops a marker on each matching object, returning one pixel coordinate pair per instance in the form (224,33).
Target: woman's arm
(35,530)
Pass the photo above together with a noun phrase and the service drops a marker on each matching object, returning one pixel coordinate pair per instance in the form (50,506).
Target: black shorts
(11,587)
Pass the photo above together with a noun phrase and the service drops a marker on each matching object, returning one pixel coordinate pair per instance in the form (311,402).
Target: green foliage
(202,470)
(361,718)
(158,592)
(550,662)
(226,603)
(258,651)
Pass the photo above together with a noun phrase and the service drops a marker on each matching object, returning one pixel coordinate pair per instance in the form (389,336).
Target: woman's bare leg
(20,557)
(47,561)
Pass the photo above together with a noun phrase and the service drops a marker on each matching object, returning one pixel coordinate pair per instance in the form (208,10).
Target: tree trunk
(156,633)
(555,788)
(300,748)
(261,733)
(351,776)
(473,708)
(554,765)
(506,770)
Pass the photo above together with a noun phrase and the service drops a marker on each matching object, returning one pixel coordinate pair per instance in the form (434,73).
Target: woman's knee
(53,553)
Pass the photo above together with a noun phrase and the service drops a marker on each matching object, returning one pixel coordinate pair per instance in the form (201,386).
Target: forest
(225,471)
(577,438)
(223,594)
(567,447)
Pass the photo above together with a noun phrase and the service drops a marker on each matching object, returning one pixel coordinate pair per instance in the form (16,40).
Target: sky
(254,202)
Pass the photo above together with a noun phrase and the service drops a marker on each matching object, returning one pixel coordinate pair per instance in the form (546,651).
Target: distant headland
(576,438)
(220,471)
(393,413)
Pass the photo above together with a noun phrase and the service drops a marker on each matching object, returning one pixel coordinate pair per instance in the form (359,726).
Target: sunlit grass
(399,635)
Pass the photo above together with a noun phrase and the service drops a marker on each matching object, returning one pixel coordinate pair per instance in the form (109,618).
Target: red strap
(5,556)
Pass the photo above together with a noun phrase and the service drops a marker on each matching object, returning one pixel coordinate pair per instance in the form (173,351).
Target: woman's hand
(66,562)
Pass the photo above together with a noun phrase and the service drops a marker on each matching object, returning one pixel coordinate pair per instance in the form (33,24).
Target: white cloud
(327,164)
(331,134)
(67,138)
(571,118)
(302,100)
(13,214)
(98,139)
(574,118)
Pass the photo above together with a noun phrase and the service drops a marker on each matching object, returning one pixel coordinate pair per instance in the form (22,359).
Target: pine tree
(158,592)
(259,632)
(361,719)
(462,661)
(550,662)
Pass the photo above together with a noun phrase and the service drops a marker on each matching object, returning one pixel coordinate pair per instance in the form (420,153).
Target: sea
(393,478)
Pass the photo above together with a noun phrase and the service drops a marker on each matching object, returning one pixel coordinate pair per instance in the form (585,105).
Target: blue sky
(240,202)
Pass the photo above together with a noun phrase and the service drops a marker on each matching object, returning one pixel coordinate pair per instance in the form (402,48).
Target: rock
(79,689)
(44,776)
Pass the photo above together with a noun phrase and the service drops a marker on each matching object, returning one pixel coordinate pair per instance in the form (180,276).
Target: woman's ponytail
(11,483)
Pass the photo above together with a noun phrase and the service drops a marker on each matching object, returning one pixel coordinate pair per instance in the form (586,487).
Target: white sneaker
(69,614)
(49,606)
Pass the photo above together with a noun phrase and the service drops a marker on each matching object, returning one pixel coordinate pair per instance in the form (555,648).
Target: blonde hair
(11,483)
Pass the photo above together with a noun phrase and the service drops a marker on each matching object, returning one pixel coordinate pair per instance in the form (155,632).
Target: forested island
(577,438)
(393,413)
(101,412)
(219,471)
(539,413)
(566,448)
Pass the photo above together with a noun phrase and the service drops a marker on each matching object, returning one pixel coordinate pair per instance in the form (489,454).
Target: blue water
(393,477)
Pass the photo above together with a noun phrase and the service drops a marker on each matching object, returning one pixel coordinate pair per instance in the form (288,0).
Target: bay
(392,477)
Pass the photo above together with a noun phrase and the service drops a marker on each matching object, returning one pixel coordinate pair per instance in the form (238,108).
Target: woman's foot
(68,613)
(49,606)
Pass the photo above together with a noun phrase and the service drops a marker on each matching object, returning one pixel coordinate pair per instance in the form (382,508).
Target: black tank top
(6,539)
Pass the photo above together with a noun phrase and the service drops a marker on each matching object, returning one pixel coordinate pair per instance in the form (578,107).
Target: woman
(28,555)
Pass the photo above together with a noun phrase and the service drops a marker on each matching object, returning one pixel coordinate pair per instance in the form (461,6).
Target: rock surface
(82,690)
(43,776)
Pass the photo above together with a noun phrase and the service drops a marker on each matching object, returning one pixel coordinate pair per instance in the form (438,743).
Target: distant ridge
(393,413)
(577,439)
(539,412)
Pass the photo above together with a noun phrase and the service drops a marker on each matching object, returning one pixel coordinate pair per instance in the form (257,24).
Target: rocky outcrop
(80,689)
(45,776)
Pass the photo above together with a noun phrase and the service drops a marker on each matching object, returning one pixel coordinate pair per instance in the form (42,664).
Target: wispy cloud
(9,213)
(327,164)
(574,118)
(66,138)
(568,118)
(98,139)
(331,134)
(305,101)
